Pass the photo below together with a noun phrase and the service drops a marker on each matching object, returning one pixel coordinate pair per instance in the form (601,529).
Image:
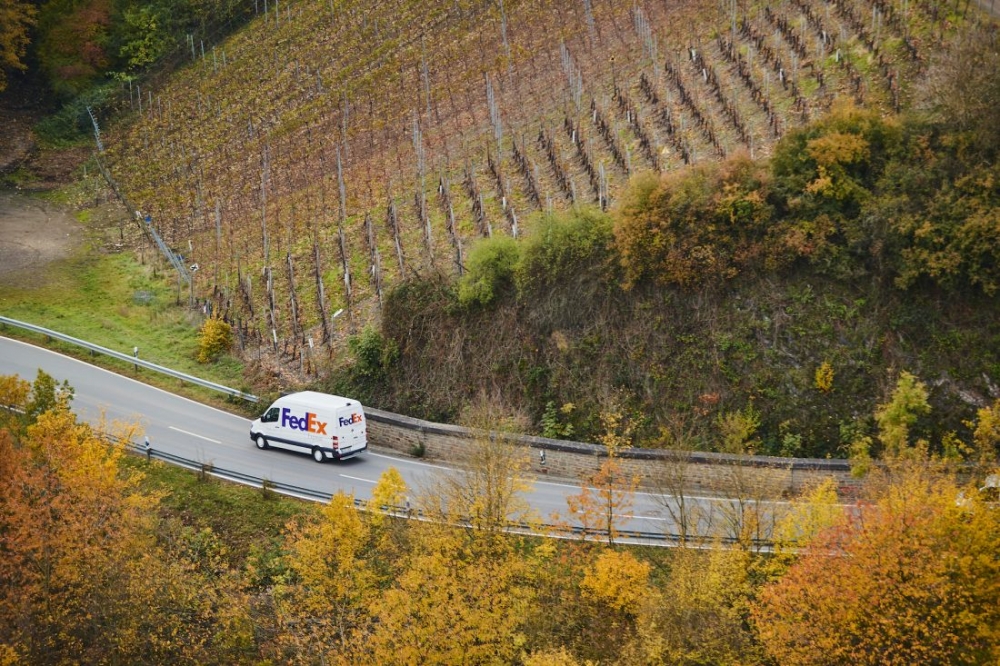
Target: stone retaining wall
(672,472)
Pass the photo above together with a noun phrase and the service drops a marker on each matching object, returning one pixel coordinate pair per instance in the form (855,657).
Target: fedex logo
(355,418)
(307,423)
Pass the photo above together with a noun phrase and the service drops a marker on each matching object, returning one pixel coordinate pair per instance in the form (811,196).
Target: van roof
(317,399)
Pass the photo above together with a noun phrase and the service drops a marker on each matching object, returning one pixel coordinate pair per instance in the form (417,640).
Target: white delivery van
(325,426)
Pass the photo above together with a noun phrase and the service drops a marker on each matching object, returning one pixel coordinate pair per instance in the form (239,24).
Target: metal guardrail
(130,359)
(554,531)
(634,537)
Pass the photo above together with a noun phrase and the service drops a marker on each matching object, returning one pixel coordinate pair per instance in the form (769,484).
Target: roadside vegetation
(787,293)
(109,558)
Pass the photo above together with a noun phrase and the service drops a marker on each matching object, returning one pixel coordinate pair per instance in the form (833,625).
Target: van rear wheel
(261,442)
(318,455)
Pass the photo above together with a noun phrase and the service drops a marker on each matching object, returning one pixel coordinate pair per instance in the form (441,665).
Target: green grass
(114,301)
(249,521)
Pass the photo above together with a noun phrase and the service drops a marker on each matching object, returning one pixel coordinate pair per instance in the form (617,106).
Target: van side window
(270,416)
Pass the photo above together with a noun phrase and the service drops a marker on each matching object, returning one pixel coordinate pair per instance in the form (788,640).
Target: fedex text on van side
(355,418)
(307,423)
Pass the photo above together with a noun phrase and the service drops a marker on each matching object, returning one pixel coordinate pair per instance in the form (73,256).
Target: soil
(33,232)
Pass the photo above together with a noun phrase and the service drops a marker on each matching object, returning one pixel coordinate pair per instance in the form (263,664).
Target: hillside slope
(335,156)
(330,149)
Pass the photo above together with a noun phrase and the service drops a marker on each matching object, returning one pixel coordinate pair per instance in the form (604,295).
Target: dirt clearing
(33,234)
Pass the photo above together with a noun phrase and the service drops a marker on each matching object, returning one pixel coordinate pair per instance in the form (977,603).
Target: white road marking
(207,439)
(134,381)
(355,478)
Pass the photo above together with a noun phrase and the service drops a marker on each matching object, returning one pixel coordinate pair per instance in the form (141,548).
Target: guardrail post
(147,448)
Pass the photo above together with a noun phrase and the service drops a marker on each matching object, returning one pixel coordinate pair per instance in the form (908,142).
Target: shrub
(695,225)
(373,354)
(561,247)
(824,377)
(824,174)
(489,271)
(216,338)
(71,125)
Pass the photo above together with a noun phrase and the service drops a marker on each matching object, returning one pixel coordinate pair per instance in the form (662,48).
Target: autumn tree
(455,602)
(322,608)
(963,87)
(87,578)
(72,45)
(743,518)
(604,499)
(911,579)
(699,615)
(985,449)
(824,174)
(618,580)
(14,393)
(16,19)
(607,495)
(489,492)
(695,225)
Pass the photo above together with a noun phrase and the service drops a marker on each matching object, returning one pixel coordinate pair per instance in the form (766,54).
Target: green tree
(894,418)
(144,35)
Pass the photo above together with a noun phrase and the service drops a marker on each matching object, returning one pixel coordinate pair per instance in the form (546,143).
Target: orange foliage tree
(84,576)
(912,579)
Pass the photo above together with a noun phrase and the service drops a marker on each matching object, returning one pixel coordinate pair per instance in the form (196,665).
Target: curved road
(195,431)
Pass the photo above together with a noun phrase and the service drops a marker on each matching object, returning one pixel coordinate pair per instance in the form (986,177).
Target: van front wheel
(318,455)
(261,442)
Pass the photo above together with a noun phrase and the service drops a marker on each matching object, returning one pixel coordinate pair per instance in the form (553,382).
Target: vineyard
(332,148)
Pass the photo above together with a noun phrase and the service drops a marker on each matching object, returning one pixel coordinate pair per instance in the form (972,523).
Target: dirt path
(33,233)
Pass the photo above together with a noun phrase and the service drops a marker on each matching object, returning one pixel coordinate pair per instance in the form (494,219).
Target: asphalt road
(198,432)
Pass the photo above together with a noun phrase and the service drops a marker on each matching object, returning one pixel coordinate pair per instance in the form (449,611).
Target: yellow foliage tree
(16,18)
(390,491)
(216,338)
(85,579)
(824,377)
(700,615)
(553,657)
(489,492)
(452,604)
(806,517)
(986,435)
(618,580)
(323,608)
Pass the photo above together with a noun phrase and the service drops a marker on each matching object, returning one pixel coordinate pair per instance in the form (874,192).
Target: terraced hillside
(332,147)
